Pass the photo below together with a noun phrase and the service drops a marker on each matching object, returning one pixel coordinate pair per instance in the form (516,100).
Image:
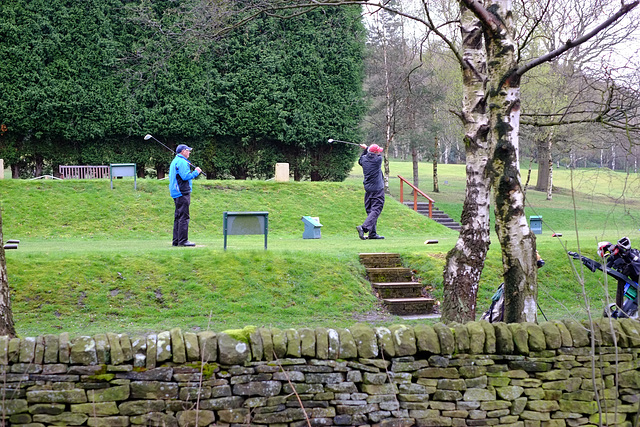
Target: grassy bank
(92,259)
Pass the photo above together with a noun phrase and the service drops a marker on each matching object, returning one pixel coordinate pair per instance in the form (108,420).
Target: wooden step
(409,306)
(380,260)
(389,274)
(398,290)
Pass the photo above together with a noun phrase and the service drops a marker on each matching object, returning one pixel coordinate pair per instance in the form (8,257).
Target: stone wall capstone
(552,374)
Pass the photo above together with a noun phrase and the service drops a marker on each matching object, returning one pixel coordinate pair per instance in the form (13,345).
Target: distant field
(94,259)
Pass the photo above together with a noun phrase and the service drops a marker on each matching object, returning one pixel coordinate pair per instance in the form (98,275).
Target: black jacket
(371,164)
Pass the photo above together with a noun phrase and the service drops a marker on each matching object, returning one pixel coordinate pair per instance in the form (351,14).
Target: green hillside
(92,259)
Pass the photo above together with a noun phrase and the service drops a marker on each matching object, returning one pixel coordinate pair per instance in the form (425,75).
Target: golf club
(149,136)
(331,141)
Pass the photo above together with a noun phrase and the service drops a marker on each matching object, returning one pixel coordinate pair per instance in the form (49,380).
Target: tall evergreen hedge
(83,82)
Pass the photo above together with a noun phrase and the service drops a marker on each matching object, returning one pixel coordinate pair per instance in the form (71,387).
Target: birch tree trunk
(6,315)
(465,261)
(436,154)
(517,242)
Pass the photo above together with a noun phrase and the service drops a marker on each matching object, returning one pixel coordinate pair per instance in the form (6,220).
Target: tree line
(83,82)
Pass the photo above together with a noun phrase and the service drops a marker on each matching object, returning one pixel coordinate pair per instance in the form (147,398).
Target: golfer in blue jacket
(180,185)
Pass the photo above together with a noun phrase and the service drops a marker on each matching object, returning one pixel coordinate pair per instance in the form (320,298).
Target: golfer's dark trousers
(181,220)
(373,204)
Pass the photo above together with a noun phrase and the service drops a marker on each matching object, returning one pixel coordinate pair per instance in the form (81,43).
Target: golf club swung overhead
(331,141)
(149,136)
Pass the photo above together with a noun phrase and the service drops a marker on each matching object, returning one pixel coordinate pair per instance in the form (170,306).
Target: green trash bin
(535,224)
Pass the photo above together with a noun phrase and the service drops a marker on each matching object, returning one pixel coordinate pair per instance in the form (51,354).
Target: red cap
(375,148)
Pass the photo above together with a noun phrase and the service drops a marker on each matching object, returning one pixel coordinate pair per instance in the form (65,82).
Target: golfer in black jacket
(371,161)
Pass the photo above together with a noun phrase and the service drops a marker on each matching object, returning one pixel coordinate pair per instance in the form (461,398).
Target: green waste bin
(311,227)
(535,223)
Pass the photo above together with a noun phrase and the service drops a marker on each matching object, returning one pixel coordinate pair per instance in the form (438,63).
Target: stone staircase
(436,214)
(393,284)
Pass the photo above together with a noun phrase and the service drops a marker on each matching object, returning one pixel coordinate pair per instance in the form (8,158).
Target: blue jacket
(180,177)
(371,163)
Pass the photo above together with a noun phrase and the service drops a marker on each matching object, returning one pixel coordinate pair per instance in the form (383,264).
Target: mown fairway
(94,259)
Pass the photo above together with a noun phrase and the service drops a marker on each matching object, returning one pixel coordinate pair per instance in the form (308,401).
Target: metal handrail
(416,191)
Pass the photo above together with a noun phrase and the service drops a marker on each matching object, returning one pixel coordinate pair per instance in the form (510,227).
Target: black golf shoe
(375,237)
(361,232)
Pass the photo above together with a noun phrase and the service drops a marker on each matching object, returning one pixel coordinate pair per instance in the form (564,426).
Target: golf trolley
(495,312)
(623,264)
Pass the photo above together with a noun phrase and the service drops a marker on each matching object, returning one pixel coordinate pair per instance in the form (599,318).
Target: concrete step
(436,214)
(398,290)
(380,260)
(409,306)
(389,274)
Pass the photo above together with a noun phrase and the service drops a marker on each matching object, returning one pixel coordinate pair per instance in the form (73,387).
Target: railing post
(415,200)
(430,209)
(401,196)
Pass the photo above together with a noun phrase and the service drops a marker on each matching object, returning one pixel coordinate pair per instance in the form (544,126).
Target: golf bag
(495,313)
(623,264)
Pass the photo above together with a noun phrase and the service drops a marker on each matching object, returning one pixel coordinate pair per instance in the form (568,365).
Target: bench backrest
(84,172)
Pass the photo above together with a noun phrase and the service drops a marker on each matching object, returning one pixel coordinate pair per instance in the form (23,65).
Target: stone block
(509,393)
(576,406)
(404,340)
(579,334)
(520,337)
(233,351)
(139,407)
(426,339)
(322,343)
(334,344)
(365,340)
(279,339)
(235,416)
(14,406)
(111,394)
(479,394)
(348,348)
(63,419)
(51,346)
(543,405)
(293,343)
(27,350)
(99,409)
(477,337)
(504,338)
(103,349)
(191,346)
(154,390)
(178,349)
(385,341)
(631,329)
(152,351)
(552,336)
(117,355)
(446,338)
(537,339)
(156,419)
(46,408)
(115,421)
(13,350)
(57,396)
(163,347)
(195,418)
(307,342)
(260,388)
(462,337)
(208,346)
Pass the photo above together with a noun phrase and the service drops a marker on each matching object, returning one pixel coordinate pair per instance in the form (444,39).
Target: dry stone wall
(553,374)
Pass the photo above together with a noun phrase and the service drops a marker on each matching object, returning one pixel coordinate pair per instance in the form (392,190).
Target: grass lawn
(92,259)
